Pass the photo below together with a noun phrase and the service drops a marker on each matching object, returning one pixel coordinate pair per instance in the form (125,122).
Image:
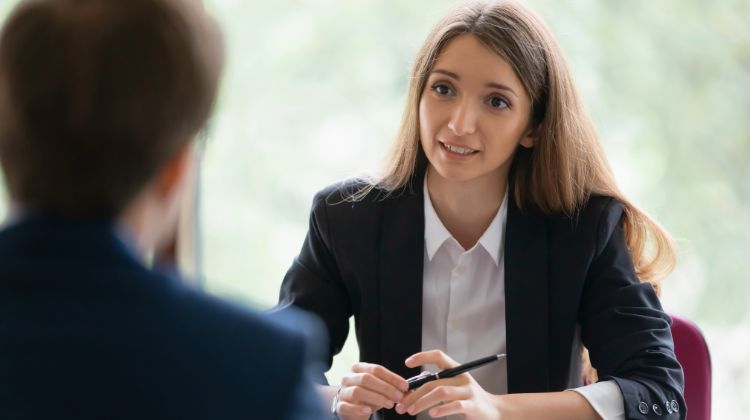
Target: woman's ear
(528,141)
(529,137)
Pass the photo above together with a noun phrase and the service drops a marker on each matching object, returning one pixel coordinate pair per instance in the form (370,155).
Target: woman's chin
(452,173)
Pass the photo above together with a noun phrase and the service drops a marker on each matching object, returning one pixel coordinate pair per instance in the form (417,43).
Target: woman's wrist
(551,405)
(504,407)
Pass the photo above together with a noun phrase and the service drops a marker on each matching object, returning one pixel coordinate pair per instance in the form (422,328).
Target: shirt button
(459,269)
(675,406)
(668,406)
(643,407)
(657,409)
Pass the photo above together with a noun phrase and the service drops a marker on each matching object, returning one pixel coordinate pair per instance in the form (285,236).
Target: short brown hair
(97,95)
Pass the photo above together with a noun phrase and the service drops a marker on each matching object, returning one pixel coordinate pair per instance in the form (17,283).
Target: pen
(419,380)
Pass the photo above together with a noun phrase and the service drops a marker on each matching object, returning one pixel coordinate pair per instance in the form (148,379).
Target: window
(313,93)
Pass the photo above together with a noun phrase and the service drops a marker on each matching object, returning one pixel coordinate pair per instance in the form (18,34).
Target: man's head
(97,97)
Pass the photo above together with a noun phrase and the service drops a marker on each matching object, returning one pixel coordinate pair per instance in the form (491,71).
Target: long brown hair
(566,165)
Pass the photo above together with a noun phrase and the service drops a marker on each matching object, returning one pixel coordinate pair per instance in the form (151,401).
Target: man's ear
(174,171)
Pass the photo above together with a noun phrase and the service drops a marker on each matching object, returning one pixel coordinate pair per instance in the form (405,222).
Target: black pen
(421,379)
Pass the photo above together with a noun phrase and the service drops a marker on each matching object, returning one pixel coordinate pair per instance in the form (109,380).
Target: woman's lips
(457,150)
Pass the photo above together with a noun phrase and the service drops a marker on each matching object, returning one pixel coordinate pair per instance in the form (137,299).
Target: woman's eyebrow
(502,87)
(447,73)
(494,85)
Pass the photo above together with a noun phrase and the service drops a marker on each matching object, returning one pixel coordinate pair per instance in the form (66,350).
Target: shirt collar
(17,214)
(435,233)
(493,239)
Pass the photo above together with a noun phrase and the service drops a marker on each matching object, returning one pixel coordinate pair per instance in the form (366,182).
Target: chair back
(692,353)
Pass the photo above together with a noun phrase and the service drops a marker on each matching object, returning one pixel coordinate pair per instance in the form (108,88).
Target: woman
(496,227)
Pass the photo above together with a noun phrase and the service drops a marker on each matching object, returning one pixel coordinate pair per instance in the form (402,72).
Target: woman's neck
(466,208)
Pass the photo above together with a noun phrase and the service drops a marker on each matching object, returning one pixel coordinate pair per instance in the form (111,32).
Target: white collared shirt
(463,308)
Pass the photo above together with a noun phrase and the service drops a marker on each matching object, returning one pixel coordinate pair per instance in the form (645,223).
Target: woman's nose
(463,119)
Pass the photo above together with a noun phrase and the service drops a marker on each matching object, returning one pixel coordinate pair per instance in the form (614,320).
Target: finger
(359,395)
(431,357)
(382,373)
(440,395)
(451,408)
(425,389)
(373,383)
(347,409)
(411,397)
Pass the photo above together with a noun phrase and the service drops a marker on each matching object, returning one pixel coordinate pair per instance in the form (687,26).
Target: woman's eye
(498,102)
(442,90)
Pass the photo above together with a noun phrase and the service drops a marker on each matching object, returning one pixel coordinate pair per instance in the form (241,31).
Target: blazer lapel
(527,300)
(401,264)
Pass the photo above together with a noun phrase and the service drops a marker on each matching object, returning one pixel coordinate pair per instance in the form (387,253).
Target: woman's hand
(368,388)
(457,395)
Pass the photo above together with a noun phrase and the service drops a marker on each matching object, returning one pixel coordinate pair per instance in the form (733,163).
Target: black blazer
(365,259)
(88,332)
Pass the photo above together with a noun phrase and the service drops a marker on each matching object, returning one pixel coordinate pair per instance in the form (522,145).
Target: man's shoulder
(242,346)
(129,328)
(228,322)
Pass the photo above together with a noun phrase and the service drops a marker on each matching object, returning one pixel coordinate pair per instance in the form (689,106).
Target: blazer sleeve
(314,283)
(625,329)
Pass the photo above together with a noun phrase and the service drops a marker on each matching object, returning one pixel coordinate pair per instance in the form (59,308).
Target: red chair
(692,353)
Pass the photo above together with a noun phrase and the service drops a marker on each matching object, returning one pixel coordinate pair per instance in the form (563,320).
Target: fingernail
(389,404)
(365,410)
(397,396)
(411,410)
(400,408)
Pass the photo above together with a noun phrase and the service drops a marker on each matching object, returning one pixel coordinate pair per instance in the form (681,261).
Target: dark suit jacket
(365,259)
(87,332)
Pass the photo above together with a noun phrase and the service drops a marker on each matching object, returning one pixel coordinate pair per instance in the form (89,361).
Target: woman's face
(473,113)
